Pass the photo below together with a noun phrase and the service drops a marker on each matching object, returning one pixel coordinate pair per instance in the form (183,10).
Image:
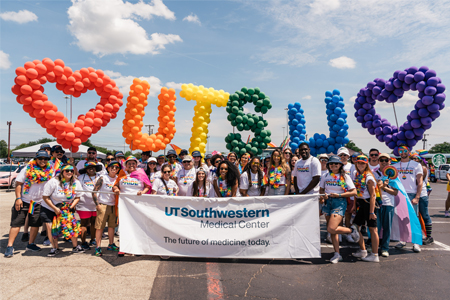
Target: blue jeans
(335,206)
(384,216)
(422,207)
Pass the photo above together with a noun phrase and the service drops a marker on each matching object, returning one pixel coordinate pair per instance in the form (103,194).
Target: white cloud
(264,75)
(319,7)
(284,56)
(409,99)
(307,97)
(342,62)
(124,82)
(192,18)
(120,63)
(21,17)
(110,26)
(5,63)
(173,85)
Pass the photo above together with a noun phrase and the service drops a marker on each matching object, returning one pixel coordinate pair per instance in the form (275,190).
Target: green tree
(32,143)
(351,145)
(3,148)
(440,148)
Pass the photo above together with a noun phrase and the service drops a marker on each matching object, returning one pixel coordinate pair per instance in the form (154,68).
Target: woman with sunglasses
(200,187)
(164,185)
(132,182)
(266,164)
(336,185)
(278,177)
(251,182)
(105,204)
(216,159)
(323,158)
(243,161)
(366,185)
(151,170)
(287,155)
(227,180)
(60,198)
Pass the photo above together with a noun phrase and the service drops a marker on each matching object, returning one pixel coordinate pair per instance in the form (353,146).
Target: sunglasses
(223,169)
(186,162)
(383,160)
(341,155)
(59,151)
(324,160)
(42,158)
(92,153)
(374,154)
(115,167)
(152,163)
(166,172)
(109,159)
(276,156)
(172,156)
(255,164)
(217,162)
(333,163)
(403,151)
(69,171)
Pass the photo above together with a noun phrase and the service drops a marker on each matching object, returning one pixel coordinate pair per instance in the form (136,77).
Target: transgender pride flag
(405,224)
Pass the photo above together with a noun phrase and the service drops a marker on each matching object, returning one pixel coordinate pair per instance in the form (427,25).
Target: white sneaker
(416,248)
(400,245)
(371,258)
(447,214)
(355,234)
(336,258)
(385,253)
(350,239)
(328,239)
(360,253)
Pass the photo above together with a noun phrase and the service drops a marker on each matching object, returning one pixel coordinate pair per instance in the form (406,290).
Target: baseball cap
(45,146)
(343,150)
(187,158)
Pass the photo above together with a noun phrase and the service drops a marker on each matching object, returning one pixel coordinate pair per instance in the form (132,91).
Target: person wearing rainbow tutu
(57,209)
(29,188)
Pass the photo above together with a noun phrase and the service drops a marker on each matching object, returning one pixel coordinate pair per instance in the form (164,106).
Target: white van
(441,172)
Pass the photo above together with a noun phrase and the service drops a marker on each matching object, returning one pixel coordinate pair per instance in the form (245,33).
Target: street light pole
(283,136)
(150,132)
(9,123)
(287,120)
(67,98)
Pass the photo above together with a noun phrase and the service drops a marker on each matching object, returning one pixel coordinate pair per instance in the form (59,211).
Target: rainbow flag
(32,206)
(271,144)
(176,148)
(56,166)
(421,152)
(248,139)
(284,143)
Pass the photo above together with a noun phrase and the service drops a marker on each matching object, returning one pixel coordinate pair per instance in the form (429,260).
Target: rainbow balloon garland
(65,225)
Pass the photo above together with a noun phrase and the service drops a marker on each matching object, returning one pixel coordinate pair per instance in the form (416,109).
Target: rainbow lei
(360,183)
(68,191)
(224,192)
(340,180)
(65,224)
(274,177)
(35,174)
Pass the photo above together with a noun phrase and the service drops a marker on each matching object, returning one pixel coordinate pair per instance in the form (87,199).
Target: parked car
(441,172)
(8,174)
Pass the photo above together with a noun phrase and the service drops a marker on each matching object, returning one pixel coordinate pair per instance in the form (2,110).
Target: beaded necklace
(340,180)
(69,191)
(274,177)
(35,174)
(360,183)
(224,192)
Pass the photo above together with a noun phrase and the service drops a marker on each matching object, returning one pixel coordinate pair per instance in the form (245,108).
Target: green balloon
(254,150)
(257,109)
(244,90)
(228,109)
(241,144)
(234,109)
(269,133)
(238,119)
(236,150)
(250,122)
(241,113)
(242,151)
(260,151)
(229,147)
(235,103)
(227,139)
(259,103)
(234,143)
(245,118)
(266,102)
(233,123)
(248,98)
(257,90)
(235,97)
(246,127)
(269,106)
(262,95)
(262,145)
(260,124)
(267,140)
(240,126)
(263,133)
(232,116)
(264,109)
(237,136)
(255,144)
(258,138)
(258,131)
(251,91)
(265,123)
(241,102)
(254,98)
(248,147)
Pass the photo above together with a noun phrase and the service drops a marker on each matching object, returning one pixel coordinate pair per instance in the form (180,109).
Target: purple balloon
(395,138)
(414,114)
(371,85)
(368,117)
(426,121)
(420,86)
(401,75)
(426,127)
(420,104)
(381,82)
(409,79)
(430,90)
(371,99)
(392,144)
(423,112)
(423,69)
(397,83)
(362,111)
(441,106)
(396,74)
(368,93)
(399,92)
(412,86)
(385,93)
(409,134)
(433,107)
(429,74)
(392,98)
(376,123)
(416,123)
(408,117)
(439,98)
(387,138)
(405,86)
(360,119)
(372,131)
(421,95)
(412,70)
(435,115)
(401,136)
(407,126)
(440,88)
(387,130)
(371,111)
(388,86)
(418,131)
(419,76)
(378,130)
(368,124)
(367,106)
(433,81)
(376,90)
(411,143)
(427,100)
(380,138)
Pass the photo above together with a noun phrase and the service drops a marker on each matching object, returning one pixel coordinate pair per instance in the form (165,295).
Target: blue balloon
(294,145)
(312,143)
(319,142)
(336,128)
(300,127)
(322,150)
(296,140)
(297,105)
(340,122)
(339,140)
(328,94)
(302,137)
(303,131)
(290,106)
(333,134)
(295,133)
(335,99)
(327,100)
(337,111)
(336,92)
(294,110)
(330,149)
(316,136)
(326,144)
(346,141)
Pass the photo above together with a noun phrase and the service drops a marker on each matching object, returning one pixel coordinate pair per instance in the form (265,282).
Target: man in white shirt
(373,159)
(306,172)
(411,176)
(91,156)
(145,155)
(186,176)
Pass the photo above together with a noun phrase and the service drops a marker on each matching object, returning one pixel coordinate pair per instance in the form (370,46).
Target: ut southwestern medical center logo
(214,213)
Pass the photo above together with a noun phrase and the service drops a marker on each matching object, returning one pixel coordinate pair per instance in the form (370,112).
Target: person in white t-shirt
(323,158)
(386,213)
(251,181)
(91,156)
(336,185)
(306,172)
(365,184)
(373,159)
(164,185)
(200,187)
(106,209)
(186,176)
(145,155)
(173,162)
(278,175)
(29,188)
(152,170)
(410,174)
(130,184)
(59,194)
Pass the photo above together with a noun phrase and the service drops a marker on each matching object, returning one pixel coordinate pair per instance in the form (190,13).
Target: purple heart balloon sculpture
(426,110)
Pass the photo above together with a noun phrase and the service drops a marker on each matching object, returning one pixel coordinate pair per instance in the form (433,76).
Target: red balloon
(60,134)
(26,100)
(98,122)
(74,149)
(69,127)
(88,122)
(66,144)
(87,130)
(61,125)
(52,130)
(26,89)
(76,142)
(39,113)
(21,71)
(50,123)
(28,108)
(29,65)
(47,105)
(41,69)
(16,89)
(78,131)
(59,116)
(70,136)
(50,115)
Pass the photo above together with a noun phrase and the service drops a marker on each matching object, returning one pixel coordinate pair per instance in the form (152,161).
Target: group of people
(353,191)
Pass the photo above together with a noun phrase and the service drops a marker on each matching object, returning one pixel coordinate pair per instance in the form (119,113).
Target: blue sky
(293,51)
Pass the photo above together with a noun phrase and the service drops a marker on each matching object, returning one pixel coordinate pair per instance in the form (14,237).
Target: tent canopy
(31,151)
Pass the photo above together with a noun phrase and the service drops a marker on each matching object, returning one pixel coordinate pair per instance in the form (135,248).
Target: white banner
(241,227)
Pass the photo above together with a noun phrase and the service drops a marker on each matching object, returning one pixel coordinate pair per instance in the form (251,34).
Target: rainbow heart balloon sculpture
(426,110)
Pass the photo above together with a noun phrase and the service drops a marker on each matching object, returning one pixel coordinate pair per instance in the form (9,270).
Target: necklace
(274,177)
(340,180)
(403,171)
(224,191)
(69,191)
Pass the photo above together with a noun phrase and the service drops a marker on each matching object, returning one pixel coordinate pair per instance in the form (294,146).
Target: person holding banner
(251,182)
(151,170)
(227,180)
(336,185)
(278,176)
(105,204)
(59,196)
(134,181)
(200,187)
(366,186)
(185,176)
(164,185)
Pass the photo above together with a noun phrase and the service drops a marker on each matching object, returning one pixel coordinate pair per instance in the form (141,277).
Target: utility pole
(150,132)
(283,136)
(9,123)
(424,140)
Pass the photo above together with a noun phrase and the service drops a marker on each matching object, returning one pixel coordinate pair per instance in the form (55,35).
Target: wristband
(18,199)
(371,213)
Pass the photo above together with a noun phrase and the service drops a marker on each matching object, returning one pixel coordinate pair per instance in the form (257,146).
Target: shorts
(18,217)
(277,192)
(47,215)
(363,215)
(349,205)
(106,213)
(335,206)
(86,214)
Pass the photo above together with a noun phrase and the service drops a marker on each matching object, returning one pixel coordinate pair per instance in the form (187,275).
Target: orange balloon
(88,122)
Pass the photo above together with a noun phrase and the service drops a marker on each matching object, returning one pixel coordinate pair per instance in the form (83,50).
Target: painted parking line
(214,283)
(441,222)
